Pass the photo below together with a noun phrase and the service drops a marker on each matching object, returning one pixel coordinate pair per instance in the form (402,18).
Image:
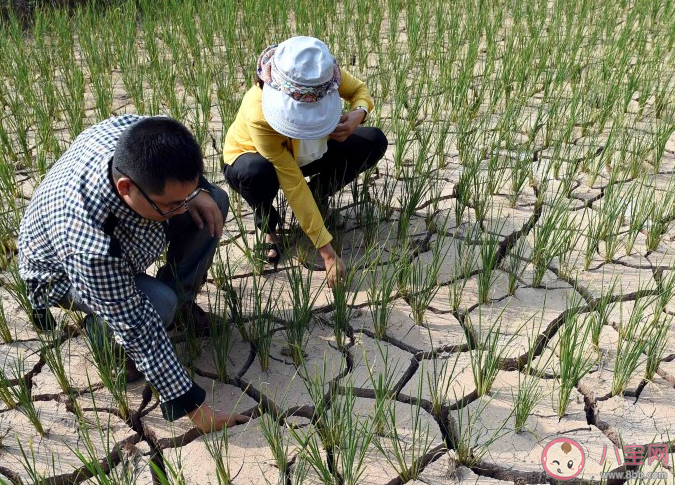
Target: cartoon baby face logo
(563,459)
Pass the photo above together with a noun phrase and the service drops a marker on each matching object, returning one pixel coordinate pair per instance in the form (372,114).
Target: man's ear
(123,185)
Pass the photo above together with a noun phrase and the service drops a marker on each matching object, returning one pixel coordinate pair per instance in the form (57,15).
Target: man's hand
(208,419)
(348,123)
(335,267)
(204,210)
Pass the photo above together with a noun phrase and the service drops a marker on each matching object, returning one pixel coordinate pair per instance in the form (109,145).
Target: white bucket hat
(300,96)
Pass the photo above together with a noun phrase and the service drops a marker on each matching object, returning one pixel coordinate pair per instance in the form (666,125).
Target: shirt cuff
(178,407)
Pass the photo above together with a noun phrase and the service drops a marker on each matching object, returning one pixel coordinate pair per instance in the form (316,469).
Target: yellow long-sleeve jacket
(250,132)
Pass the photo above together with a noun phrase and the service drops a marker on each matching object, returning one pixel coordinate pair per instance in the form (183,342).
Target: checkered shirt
(63,241)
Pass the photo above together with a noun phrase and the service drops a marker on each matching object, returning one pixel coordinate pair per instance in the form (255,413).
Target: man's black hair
(155,150)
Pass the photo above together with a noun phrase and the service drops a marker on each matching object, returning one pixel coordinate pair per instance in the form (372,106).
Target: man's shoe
(42,320)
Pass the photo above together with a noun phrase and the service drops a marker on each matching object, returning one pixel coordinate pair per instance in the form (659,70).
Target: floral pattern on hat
(274,78)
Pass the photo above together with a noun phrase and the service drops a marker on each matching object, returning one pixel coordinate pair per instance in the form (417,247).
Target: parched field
(510,260)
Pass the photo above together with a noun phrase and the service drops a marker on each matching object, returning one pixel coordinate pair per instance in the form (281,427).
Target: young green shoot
(573,356)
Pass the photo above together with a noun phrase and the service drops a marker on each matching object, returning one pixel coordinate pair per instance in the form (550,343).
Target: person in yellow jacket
(290,126)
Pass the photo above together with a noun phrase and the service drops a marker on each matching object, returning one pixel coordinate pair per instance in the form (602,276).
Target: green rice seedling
(384,194)
(96,55)
(128,59)
(655,232)
(423,281)
(166,473)
(415,189)
(641,211)
(17,288)
(110,364)
(311,455)
(439,381)
(470,172)
(662,214)
(345,438)
(633,340)
(529,392)
(22,394)
(356,437)
(403,267)
(52,351)
(612,214)
(569,178)
(72,98)
(403,452)
(432,209)
(521,172)
(442,133)
(602,309)
(303,298)
(541,185)
(327,427)
(102,471)
(574,363)
(380,297)
(486,354)
(488,254)
(278,443)
(262,324)
(20,98)
(223,278)
(220,336)
(12,212)
(473,439)
(666,290)
(29,463)
(637,148)
(217,444)
(480,196)
(191,348)
(657,339)
(367,214)
(5,331)
(514,265)
(383,384)
(594,228)
(345,292)
(463,267)
(7,395)
(300,467)
(202,111)
(552,237)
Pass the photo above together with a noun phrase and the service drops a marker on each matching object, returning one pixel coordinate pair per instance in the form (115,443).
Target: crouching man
(106,210)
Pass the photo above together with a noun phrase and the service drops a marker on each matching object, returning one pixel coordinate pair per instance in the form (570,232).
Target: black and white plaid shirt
(65,239)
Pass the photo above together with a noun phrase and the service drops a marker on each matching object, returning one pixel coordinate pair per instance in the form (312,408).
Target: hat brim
(301,120)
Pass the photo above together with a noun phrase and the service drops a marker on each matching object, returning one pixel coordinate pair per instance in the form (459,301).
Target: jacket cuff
(323,238)
(178,407)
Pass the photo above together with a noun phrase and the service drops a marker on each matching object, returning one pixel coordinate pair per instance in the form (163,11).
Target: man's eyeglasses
(181,206)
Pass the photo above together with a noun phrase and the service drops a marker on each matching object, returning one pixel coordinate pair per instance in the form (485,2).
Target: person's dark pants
(254,178)
(189,258)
